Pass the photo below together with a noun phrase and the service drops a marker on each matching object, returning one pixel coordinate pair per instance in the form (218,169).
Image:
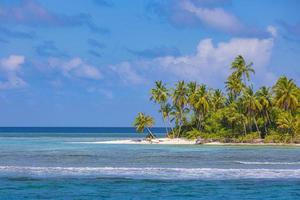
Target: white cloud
(210,14)
(76,67)
(127,73)
(209,64)
(10,67)
(12,63)
(13,82)
(272,30)
(214,17)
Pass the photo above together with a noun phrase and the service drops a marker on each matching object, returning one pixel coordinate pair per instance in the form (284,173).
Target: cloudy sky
(93,62)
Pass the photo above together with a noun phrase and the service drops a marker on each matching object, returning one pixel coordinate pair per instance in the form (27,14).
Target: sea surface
(65,163)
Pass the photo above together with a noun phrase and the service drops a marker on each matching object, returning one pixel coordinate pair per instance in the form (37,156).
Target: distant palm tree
(179,98)
(241,68)
(251,105)
(286,94)
(160,95)
(143,122)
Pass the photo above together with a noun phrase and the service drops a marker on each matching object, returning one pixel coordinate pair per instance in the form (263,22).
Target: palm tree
(160,95)
(179,98)
(235,117)
(143,121)
(234,86)
(288,123)
(265,99)
(241,68)
(218,99)
(286,94)
(200,102)
(166,112)
(251,105)
(192,86)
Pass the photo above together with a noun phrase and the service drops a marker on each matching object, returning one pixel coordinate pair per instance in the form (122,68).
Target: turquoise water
(67,164)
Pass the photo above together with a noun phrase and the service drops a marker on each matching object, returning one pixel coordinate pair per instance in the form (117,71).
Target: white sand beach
(144,141)
(181,141)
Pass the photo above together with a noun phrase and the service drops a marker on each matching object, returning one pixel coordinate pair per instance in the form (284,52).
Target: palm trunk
(250,124)
(199,122)
(179,130)
(265,126)
(257,129)
(167,131)
(171,127)
(164,120)
(181,122)
(148,129)
(268,117)
(245,129)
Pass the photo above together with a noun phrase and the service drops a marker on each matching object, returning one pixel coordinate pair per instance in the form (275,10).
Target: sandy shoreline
(182,141)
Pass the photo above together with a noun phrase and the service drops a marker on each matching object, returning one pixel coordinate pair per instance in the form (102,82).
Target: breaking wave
(268,163)
(149,173)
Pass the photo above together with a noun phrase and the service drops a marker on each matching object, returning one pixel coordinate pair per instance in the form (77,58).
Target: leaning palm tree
(143,122)
(286,94)
(251,105)
(160,95)
(241,68)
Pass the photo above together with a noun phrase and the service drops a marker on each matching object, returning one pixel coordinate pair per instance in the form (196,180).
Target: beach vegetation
(240,112)
(143,122)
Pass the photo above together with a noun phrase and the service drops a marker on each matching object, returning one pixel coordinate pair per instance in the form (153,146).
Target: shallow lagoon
(58,166)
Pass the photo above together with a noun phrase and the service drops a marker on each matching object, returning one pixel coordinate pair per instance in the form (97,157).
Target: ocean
(65,163)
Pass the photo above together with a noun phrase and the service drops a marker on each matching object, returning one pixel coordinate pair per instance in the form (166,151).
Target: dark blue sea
(68,163)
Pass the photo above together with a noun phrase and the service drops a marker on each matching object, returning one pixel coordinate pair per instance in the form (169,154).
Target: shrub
(221,136)
(193,134)
(276,137)
(249,138)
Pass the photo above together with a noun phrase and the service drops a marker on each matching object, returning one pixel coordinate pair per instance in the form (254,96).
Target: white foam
(150,173)
(268,163)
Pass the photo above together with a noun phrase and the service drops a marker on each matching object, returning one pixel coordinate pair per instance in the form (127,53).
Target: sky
(93,62)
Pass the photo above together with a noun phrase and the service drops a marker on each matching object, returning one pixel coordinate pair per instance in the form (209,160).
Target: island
(241,113)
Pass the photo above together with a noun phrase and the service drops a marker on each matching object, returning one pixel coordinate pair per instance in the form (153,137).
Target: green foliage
(286,94)
(240,115)
(143,121)
(289,124)
(249,138)
(193,134)
(277,137)
(221,136)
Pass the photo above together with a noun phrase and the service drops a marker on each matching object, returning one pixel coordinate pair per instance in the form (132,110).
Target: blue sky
(93,62)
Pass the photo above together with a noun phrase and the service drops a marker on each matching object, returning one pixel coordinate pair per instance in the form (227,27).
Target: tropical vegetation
(239,113)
